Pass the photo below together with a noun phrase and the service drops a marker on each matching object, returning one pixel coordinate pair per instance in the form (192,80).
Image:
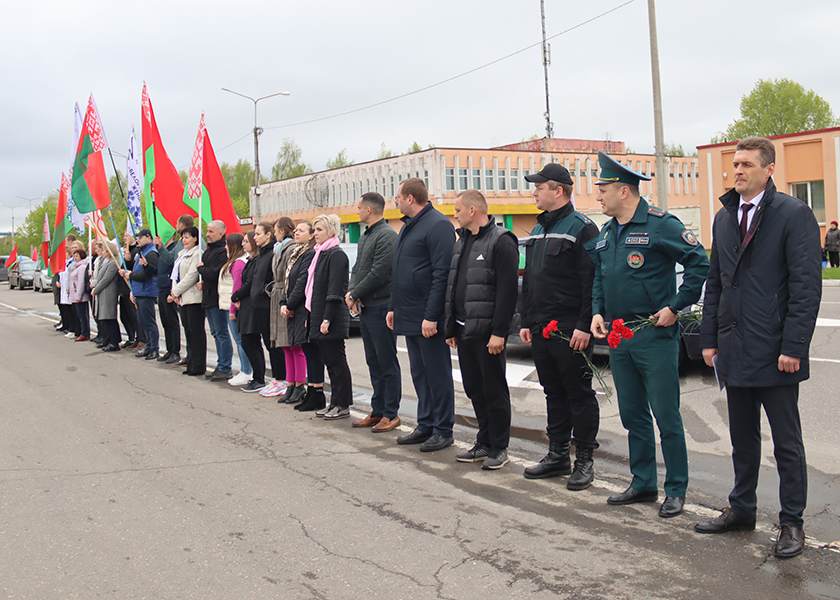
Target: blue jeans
(381,355)
(217,319)
(244,363)
(148,321)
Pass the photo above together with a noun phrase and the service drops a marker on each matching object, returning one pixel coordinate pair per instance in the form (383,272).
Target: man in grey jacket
(368,295)
(762,297)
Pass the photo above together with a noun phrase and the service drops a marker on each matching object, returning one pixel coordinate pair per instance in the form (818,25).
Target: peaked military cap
(613,171)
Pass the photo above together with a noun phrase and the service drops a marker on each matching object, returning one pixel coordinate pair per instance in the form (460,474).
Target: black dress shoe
(791,542)
(727,521)
(111,348)
(210,375)
(164,357)
(415,437)
(672,506)
(436,442)
(632,495)
(126,344)
(142,353)
(173,358)
(153,355)
(181,363)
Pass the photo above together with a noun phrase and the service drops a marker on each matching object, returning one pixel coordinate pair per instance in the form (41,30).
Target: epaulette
(584,218)
(656,211)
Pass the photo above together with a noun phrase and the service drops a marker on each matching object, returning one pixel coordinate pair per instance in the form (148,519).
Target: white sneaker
(239,379)
(275,388)
(70,334)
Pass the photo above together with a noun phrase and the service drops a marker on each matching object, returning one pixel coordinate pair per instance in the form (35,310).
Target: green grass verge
(831,273)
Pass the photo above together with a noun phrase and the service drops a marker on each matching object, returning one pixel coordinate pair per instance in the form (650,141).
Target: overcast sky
(339,55)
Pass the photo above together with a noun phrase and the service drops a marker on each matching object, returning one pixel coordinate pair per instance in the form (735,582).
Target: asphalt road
(119,479)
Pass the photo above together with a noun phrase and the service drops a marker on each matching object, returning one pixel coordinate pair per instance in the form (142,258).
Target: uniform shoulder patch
(656,211)
(689,237)
(584,218)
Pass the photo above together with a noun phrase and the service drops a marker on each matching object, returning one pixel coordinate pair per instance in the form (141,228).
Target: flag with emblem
(89,183)
(61,229)
(164,190)
(97,225)
(134,185)
(206,191)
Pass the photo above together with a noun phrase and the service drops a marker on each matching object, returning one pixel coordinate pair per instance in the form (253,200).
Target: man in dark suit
(762,298)
(418,291)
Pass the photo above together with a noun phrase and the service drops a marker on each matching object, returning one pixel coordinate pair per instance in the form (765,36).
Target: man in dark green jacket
(368,295)
(635,259)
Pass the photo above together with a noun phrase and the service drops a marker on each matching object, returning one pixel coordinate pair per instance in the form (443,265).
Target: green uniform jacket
(635,272)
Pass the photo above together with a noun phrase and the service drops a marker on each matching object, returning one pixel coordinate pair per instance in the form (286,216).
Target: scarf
(293,258)
(278,246)
(310,279)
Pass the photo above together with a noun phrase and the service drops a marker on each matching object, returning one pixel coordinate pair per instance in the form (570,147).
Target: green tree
(384,152)
(339,161)
(239,179)
(674,150)
(288,163)
(30,233)
(415,147)
(776,107)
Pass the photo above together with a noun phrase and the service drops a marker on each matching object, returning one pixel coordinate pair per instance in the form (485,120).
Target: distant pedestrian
(832,245)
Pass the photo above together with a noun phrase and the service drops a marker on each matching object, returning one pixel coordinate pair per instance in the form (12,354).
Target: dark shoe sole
(437,446)
(579,487)
(726,530)
(636,500)
(472,460)
(548,474)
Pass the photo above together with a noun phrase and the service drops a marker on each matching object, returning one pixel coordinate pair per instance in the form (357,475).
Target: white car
(42,281)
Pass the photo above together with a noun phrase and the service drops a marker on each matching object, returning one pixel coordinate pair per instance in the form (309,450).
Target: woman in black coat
(293,309)
(329,320)
(255,323)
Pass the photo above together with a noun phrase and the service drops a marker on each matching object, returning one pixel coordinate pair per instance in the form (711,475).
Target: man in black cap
(144,288)
(635,259)
(557,286)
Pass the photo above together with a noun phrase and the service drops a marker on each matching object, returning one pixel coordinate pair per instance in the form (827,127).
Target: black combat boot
(584,471)
(315,400)
(553,464)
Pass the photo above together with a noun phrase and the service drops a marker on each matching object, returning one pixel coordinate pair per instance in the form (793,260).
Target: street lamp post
(257,131)
(13,217)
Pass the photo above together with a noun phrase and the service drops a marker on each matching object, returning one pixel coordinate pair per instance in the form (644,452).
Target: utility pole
(546,58)
(257,131)
(662,174)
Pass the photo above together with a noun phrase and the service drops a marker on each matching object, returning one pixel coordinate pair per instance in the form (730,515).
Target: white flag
(135,177)
(77,220)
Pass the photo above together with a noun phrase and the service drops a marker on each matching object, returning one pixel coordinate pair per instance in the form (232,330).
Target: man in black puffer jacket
(480,301)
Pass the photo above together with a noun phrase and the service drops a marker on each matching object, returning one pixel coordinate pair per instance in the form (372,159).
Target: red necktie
(745,211)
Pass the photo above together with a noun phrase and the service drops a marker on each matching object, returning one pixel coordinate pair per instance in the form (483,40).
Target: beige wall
(800,157)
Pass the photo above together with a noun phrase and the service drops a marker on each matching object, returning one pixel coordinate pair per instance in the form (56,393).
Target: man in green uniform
(635,258)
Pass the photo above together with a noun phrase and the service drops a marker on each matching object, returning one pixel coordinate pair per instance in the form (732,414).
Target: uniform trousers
(193,317)
(169,319)
(485,384)
(431,372)
(647,380)
(781,404)
(571,407)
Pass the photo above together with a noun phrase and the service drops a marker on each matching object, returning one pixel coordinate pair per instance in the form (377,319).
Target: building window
(488,178)
(450,180)
(393,192)
(476,179)
(502,180)
(464,184)
(525,183)
(811,193)
(514,179)
(426,178)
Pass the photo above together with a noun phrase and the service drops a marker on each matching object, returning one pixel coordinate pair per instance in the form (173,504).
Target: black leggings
(341,383)
(254,348)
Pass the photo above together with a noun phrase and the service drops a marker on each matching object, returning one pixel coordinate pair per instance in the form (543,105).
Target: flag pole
(119,185)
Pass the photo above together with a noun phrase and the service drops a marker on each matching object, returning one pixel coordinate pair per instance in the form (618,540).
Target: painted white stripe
(828,322)
(561,236)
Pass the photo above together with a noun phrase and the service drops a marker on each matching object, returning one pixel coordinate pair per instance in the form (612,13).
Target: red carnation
(614,339)
(627,334)
(617,324)
(549,329)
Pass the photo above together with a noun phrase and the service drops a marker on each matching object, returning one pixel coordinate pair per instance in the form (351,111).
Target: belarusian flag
(206,187)
(13,258)
(90,183)
(97,226)
(62,228)
(34,255)
(45,241)
(164,190)
(76,218)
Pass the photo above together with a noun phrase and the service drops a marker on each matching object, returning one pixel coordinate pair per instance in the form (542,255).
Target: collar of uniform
(546,219)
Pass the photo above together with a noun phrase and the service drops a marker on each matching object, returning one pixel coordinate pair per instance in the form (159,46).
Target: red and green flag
(90,183)
(13,258)
(62,228)
(45,241)
(206,191)
(164,189)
